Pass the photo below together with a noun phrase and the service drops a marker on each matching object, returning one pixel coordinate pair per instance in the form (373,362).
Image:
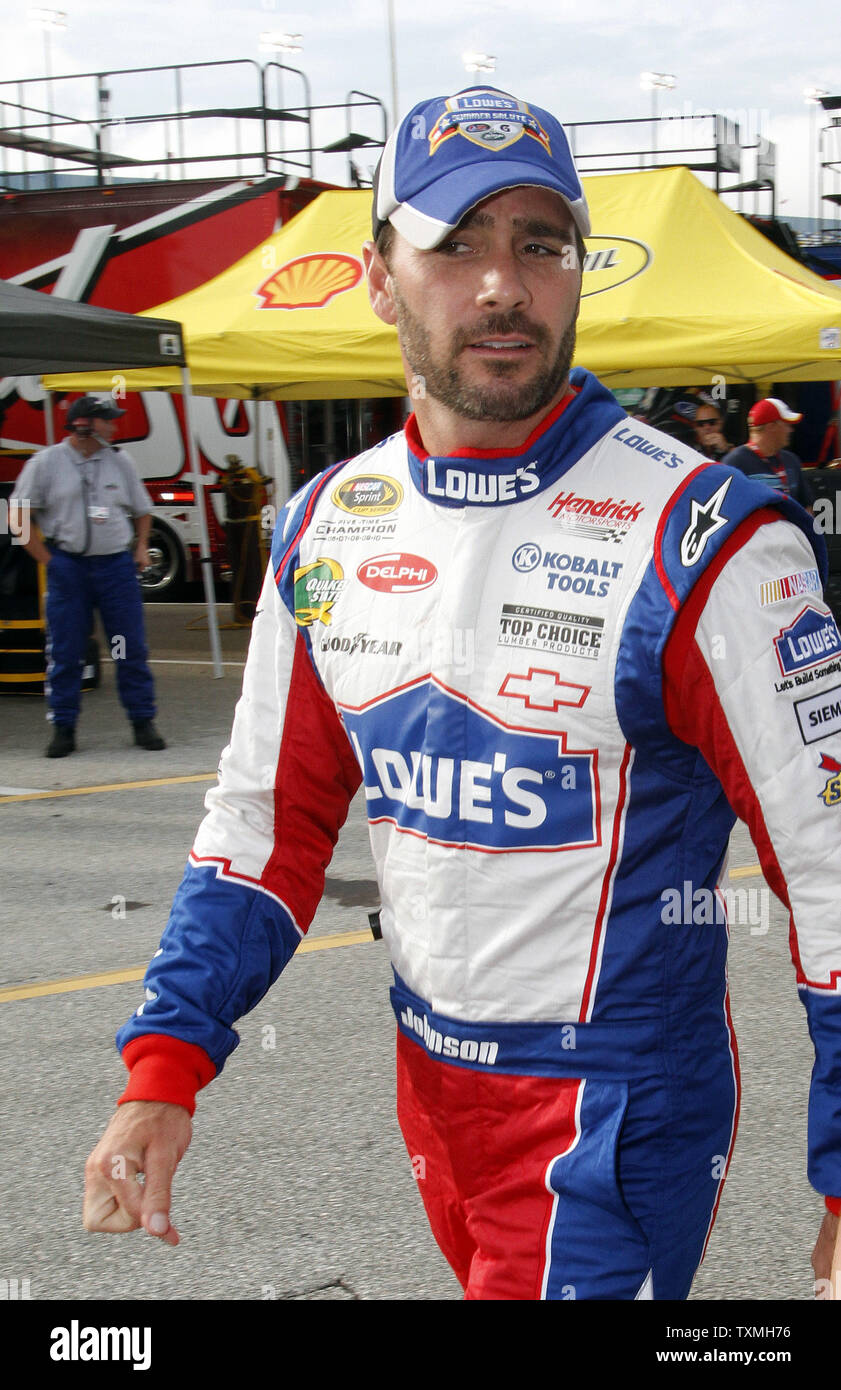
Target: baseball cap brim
(461,189)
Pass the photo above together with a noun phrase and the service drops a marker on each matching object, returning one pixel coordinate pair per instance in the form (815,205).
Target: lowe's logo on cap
(490,119)
(451,152)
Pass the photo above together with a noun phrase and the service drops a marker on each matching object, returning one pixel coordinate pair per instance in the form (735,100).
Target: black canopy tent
(42,333)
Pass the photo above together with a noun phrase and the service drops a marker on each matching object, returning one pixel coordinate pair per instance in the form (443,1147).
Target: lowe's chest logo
(813,637)
(437,766)
(467,485)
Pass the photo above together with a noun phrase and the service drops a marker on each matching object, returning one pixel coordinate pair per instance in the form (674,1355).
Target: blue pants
(76,584)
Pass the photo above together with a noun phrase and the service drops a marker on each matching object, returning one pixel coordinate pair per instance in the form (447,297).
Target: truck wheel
(165,575)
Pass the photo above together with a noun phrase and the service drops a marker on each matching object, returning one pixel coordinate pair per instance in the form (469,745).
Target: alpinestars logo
(439,767)
(705,520)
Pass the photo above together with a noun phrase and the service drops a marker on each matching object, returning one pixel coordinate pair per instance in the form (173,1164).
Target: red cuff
(165,1068)
(833,1204)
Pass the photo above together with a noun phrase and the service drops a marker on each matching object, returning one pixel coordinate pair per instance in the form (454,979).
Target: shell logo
(612,261)
(309,282)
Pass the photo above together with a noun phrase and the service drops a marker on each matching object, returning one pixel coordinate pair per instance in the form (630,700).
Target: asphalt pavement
(296,1185)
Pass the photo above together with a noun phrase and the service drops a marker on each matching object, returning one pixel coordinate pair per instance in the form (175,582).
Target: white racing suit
(558,671)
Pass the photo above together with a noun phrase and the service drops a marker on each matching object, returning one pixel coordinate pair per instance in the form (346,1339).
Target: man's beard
(499,401)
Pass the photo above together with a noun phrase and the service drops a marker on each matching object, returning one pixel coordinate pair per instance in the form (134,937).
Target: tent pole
(198,490)
(255,396)
(48,417)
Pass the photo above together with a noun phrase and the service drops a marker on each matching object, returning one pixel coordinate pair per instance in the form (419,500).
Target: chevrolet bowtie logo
(540,689)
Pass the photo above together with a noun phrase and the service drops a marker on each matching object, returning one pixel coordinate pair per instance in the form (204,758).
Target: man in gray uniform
(89,502)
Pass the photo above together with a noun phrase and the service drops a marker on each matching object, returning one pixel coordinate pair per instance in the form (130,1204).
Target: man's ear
(379,284)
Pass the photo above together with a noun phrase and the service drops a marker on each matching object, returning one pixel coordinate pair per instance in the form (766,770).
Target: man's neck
(764,450)
(444,433)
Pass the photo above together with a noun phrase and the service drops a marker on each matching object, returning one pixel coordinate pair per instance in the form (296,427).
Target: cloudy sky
(583,62)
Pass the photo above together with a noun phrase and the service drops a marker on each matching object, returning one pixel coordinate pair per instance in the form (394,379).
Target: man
(89,503)
(709,429)
(765,456)
(545,681)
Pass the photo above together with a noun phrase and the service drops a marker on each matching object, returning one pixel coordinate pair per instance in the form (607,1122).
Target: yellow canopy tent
(678,289)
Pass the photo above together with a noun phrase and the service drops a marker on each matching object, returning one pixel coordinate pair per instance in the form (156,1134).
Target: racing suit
(560,671)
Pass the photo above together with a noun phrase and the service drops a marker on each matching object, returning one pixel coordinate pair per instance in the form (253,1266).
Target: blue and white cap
(451,152)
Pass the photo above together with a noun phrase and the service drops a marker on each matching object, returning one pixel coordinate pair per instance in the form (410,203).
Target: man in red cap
(765,455)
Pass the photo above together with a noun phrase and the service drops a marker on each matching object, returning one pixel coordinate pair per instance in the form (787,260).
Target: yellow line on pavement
(122,977)
(111,787)
(344,938)
(112,977)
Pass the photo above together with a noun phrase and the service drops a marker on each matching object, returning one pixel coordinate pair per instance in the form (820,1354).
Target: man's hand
(148,1137)
(826,1258)
(717,440)
(142,561)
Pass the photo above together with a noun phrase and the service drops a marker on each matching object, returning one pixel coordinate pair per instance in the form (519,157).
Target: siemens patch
(819,715)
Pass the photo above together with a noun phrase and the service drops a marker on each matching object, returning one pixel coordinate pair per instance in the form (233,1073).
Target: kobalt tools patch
(398,573)
(437,766)
(568,573)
